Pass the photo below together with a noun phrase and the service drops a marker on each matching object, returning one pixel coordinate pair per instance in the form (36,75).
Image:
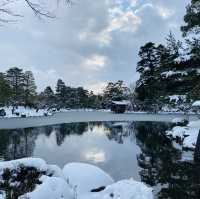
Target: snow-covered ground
(24,111)
(188,134)
(75,181)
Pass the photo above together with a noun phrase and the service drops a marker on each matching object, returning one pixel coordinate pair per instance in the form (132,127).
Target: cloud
(90,43)
(125,21)
(95,63)
(96,87)
(164,12)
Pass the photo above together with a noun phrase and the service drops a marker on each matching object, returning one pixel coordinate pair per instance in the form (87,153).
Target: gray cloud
(91,43)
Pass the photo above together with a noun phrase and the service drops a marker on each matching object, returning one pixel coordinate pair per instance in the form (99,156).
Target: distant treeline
(18,87)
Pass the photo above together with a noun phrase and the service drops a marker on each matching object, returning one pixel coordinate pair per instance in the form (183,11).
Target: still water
(138,150)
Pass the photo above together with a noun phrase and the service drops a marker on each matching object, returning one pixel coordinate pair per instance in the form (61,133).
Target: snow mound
(84,177)
(196,103)
(178,120)
(188,134)
(51,188)
(125,189)
(37,163)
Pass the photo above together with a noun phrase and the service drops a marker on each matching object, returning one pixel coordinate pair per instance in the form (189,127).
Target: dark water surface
(138,150)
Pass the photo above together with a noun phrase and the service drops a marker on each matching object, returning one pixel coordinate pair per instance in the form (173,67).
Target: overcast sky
(90,43)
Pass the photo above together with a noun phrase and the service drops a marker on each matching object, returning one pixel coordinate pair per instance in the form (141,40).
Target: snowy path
(86,116)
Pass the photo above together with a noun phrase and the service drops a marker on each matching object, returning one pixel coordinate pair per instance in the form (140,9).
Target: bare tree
(39,8)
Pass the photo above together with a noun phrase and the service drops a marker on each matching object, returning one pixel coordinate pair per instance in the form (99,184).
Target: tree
(115,91)
(148,60)
(5,90)
(192,18)
(39,7)
(15,78)
(194,48)
(48,97)
(61,92)
(173,48)
(29,88)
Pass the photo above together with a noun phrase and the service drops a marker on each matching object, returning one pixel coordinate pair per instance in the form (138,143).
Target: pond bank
(86,116)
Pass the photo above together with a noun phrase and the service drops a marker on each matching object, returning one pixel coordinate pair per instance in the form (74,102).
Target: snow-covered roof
(123,102)
(196,103)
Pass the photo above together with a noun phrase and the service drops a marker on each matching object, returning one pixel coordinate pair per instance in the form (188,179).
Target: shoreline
(89,116)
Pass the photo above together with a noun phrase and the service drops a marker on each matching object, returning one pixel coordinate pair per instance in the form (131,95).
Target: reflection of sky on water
(94,147)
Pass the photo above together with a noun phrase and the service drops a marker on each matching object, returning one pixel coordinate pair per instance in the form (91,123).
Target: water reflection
(163,167)
(138,149)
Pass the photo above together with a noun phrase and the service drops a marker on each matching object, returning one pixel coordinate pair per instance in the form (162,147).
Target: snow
(51,188)
(178,120)
(188,134)
(28,112)
(77,174)
(123,102)
(75,181)
(125,189)
(37,163)
(196,103)
(171,73)
(176,98)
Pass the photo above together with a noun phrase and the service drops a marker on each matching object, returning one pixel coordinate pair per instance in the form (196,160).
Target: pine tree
(5,90)
(173,48)
(148,59)
(61,92)
(192,18)
(29,88)
(48,96)
(115,91)
(15,78)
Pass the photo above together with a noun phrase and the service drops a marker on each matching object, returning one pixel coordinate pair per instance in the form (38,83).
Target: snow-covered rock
(188,134)
(75,181)
(178,120)
(125,189)
(51,188)
(84,177)
(37,163)
(196,103)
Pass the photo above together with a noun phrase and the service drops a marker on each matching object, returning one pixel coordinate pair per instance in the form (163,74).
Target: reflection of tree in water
(118,131)
(17,143)
(161,165)
(69,129)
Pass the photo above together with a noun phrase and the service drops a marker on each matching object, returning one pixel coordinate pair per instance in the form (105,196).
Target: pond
(138,150)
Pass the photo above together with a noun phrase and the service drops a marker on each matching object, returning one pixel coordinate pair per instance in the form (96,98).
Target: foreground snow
(188,134)
(85,172)
(125,189)
(51,188)
(75,181)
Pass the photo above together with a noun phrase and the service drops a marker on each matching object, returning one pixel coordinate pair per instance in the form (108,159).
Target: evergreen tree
(192,18)
(29,88)
(173,48)
(48,96)
(61,92)
(148,58)
(15,78)
(194,48)
(5,90)
(115,91)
